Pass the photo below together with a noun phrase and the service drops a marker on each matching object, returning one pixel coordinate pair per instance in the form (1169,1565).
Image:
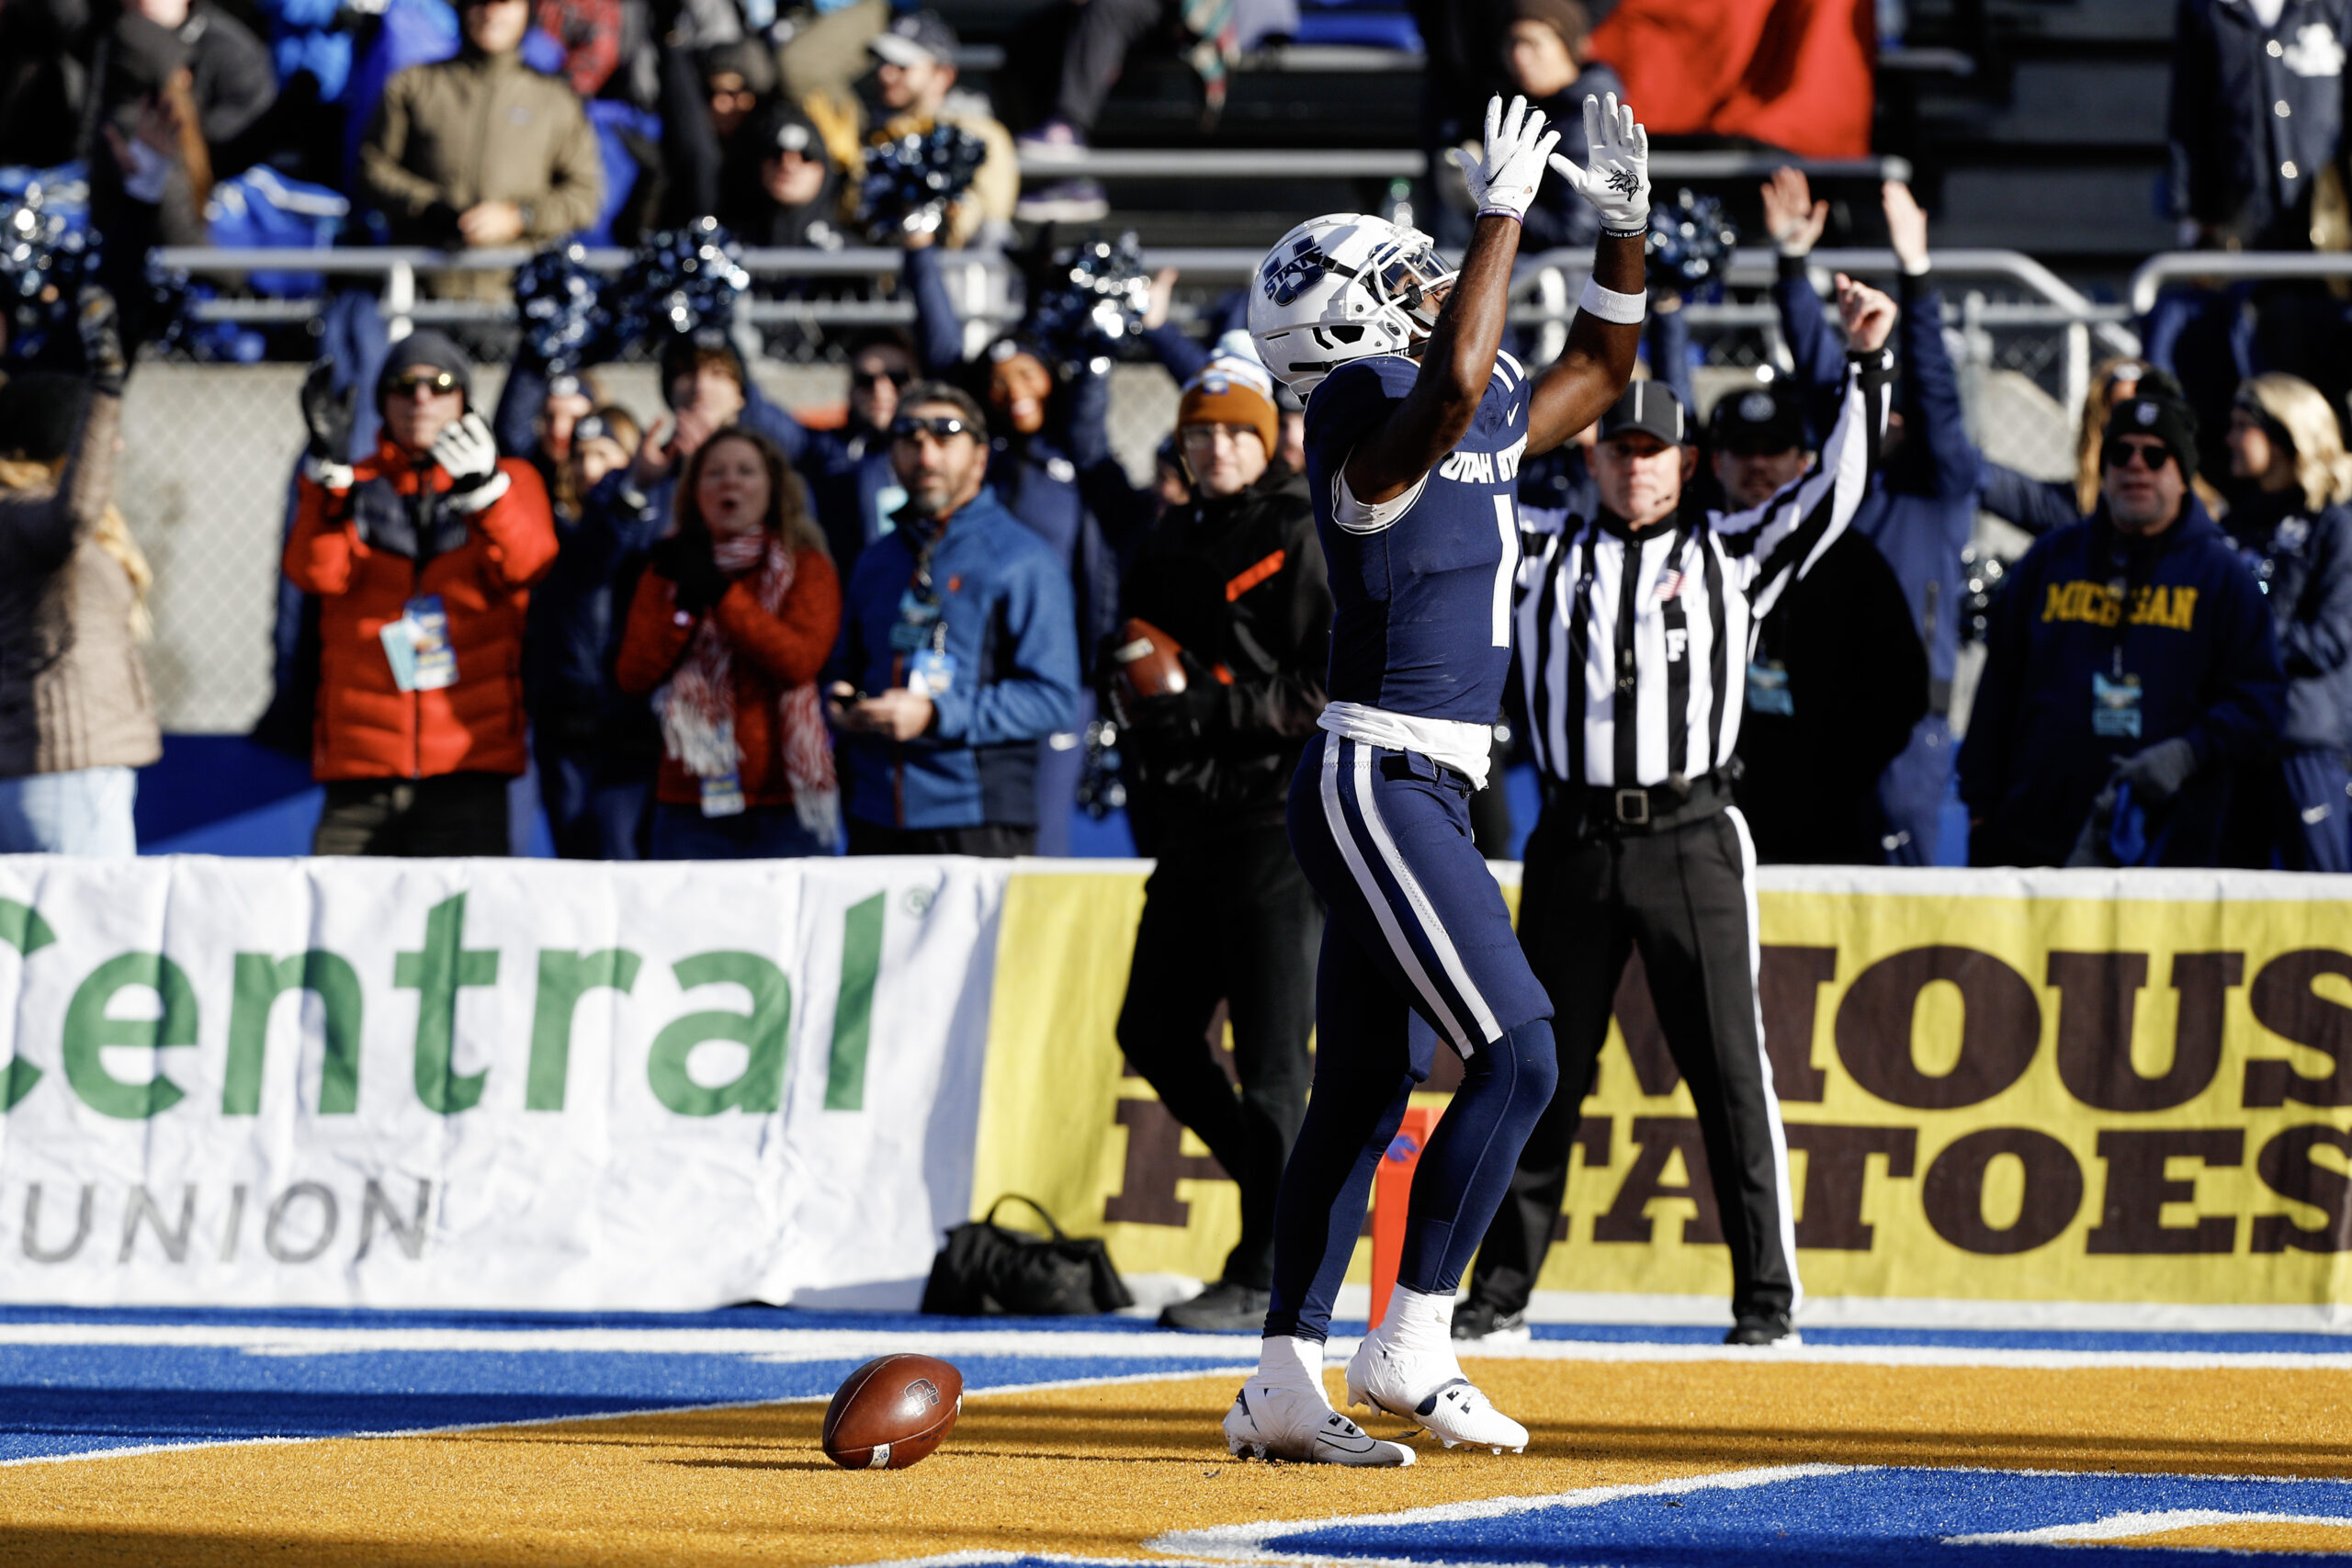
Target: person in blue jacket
(1922,506)
(1050,464)
(850,484)
(2131,676)
(959,653)
(2289,479)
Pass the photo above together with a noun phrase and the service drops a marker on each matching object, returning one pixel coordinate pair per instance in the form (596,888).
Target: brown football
(892,1411)
(1151,664)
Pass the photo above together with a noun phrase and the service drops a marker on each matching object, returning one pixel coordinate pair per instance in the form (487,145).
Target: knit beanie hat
(1233,389)
(2168,419)
(428,347)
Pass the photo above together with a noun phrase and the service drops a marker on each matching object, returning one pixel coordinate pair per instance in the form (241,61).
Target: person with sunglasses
(423,555)
(2130,671)
(958,652)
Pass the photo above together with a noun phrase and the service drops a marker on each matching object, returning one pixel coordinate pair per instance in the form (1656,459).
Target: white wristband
(1625,310)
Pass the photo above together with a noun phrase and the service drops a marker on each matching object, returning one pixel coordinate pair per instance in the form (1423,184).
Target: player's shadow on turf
(1991,1445)
(752,1463)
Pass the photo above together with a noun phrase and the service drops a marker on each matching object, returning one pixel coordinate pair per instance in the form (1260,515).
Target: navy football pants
(1417,925)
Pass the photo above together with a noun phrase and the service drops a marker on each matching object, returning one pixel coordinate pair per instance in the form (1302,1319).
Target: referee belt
(1588,810)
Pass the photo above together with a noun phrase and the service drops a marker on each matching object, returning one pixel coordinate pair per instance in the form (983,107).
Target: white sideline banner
(495,1084)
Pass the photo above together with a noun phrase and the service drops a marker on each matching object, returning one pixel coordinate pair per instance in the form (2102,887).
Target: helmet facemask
(1408,274)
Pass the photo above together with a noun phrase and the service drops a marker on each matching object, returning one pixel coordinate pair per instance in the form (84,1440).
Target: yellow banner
(2039,1086)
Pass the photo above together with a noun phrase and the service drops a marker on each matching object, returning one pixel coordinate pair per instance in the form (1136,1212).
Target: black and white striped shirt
(1630,650)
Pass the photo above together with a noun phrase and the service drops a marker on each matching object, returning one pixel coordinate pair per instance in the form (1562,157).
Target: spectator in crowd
(589,31)
(537,414)
(706,151)
(2130,672)
(2039,505)
(1543,54)
(76,714)
(423,557)
(41,81)
(958,654)
(779,188)
(597,746)
(732,622)
(481,150)
(152,127)
(1836,677)
(914,71)
(1094,38)
(2289,481)
(1235,577)
(1921,511)
(232,78)
(2257,116)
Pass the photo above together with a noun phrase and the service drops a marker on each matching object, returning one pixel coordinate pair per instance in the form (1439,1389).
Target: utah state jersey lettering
(1422,618)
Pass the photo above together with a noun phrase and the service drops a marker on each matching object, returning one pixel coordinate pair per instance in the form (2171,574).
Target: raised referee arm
(1781,539)
(1459,360)
(1593,369)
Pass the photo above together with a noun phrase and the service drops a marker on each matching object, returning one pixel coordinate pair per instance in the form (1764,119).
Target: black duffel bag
(987,1271)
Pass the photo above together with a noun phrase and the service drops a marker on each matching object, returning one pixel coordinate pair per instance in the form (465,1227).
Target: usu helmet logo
(1285,279)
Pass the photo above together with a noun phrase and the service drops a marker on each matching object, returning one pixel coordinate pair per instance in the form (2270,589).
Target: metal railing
(1252,164)
(2233,265)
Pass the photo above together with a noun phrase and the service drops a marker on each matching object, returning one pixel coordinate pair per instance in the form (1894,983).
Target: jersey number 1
(1505,525)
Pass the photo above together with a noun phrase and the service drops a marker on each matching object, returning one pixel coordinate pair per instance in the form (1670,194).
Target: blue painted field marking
(1797,1516)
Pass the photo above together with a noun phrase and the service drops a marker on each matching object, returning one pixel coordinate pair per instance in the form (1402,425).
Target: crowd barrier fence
(2042,1096)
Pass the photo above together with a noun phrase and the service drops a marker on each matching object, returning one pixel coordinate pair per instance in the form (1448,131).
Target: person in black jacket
(2130,673)
(2289,479)
(1235,577)
(1837,678)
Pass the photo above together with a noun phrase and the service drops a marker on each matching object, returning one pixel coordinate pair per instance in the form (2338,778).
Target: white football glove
(1617,179)
(1504,177)
(466,449)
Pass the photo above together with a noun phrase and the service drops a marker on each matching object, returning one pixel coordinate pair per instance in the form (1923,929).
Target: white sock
(1419,1323)
(1287,1361)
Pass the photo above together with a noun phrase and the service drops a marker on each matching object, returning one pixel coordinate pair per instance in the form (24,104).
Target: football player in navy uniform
(1415,428)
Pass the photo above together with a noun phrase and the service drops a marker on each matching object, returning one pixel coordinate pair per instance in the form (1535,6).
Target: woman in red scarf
(735,615)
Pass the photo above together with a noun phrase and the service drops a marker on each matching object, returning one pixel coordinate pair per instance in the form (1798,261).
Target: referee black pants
(1232,920)
(1683,896)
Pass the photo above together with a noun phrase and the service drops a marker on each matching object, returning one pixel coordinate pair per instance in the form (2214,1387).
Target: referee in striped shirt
(1633,631)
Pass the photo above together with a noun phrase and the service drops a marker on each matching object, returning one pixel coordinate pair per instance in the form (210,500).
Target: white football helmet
(1339,288)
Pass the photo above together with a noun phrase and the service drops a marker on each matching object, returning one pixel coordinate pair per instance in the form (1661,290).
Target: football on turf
(892,1411)
(1149,662)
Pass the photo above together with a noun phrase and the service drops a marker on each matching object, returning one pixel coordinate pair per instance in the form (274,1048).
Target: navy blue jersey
(1421,624)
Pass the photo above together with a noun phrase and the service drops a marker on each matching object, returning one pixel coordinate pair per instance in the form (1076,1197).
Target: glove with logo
(326,416)
(2157,772)
(1616,178)
(1504,175)
(467,451)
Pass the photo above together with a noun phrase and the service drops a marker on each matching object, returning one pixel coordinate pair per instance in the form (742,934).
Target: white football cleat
(1430,1389)
(1268,1421)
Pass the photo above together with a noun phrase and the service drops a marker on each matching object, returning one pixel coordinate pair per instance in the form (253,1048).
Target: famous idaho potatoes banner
(2119,1087)
(487,1083)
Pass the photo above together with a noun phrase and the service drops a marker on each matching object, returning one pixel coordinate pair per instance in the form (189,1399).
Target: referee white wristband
(1625,310)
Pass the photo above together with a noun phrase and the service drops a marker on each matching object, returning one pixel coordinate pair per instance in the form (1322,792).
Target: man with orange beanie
(1235,578)
(421,556)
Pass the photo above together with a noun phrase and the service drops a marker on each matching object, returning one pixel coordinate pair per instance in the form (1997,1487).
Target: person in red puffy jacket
(734,617)
(421,557)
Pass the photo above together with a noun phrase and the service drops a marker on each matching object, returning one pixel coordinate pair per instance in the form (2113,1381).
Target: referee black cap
(1764,418)
(1651,408)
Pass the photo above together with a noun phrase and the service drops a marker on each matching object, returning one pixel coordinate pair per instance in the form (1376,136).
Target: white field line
(1246,1543)
(2117,1526)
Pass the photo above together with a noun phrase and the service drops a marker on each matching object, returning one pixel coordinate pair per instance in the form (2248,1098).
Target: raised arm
(1598,362)
(1781,539)
(1931,407)
(1459,360)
